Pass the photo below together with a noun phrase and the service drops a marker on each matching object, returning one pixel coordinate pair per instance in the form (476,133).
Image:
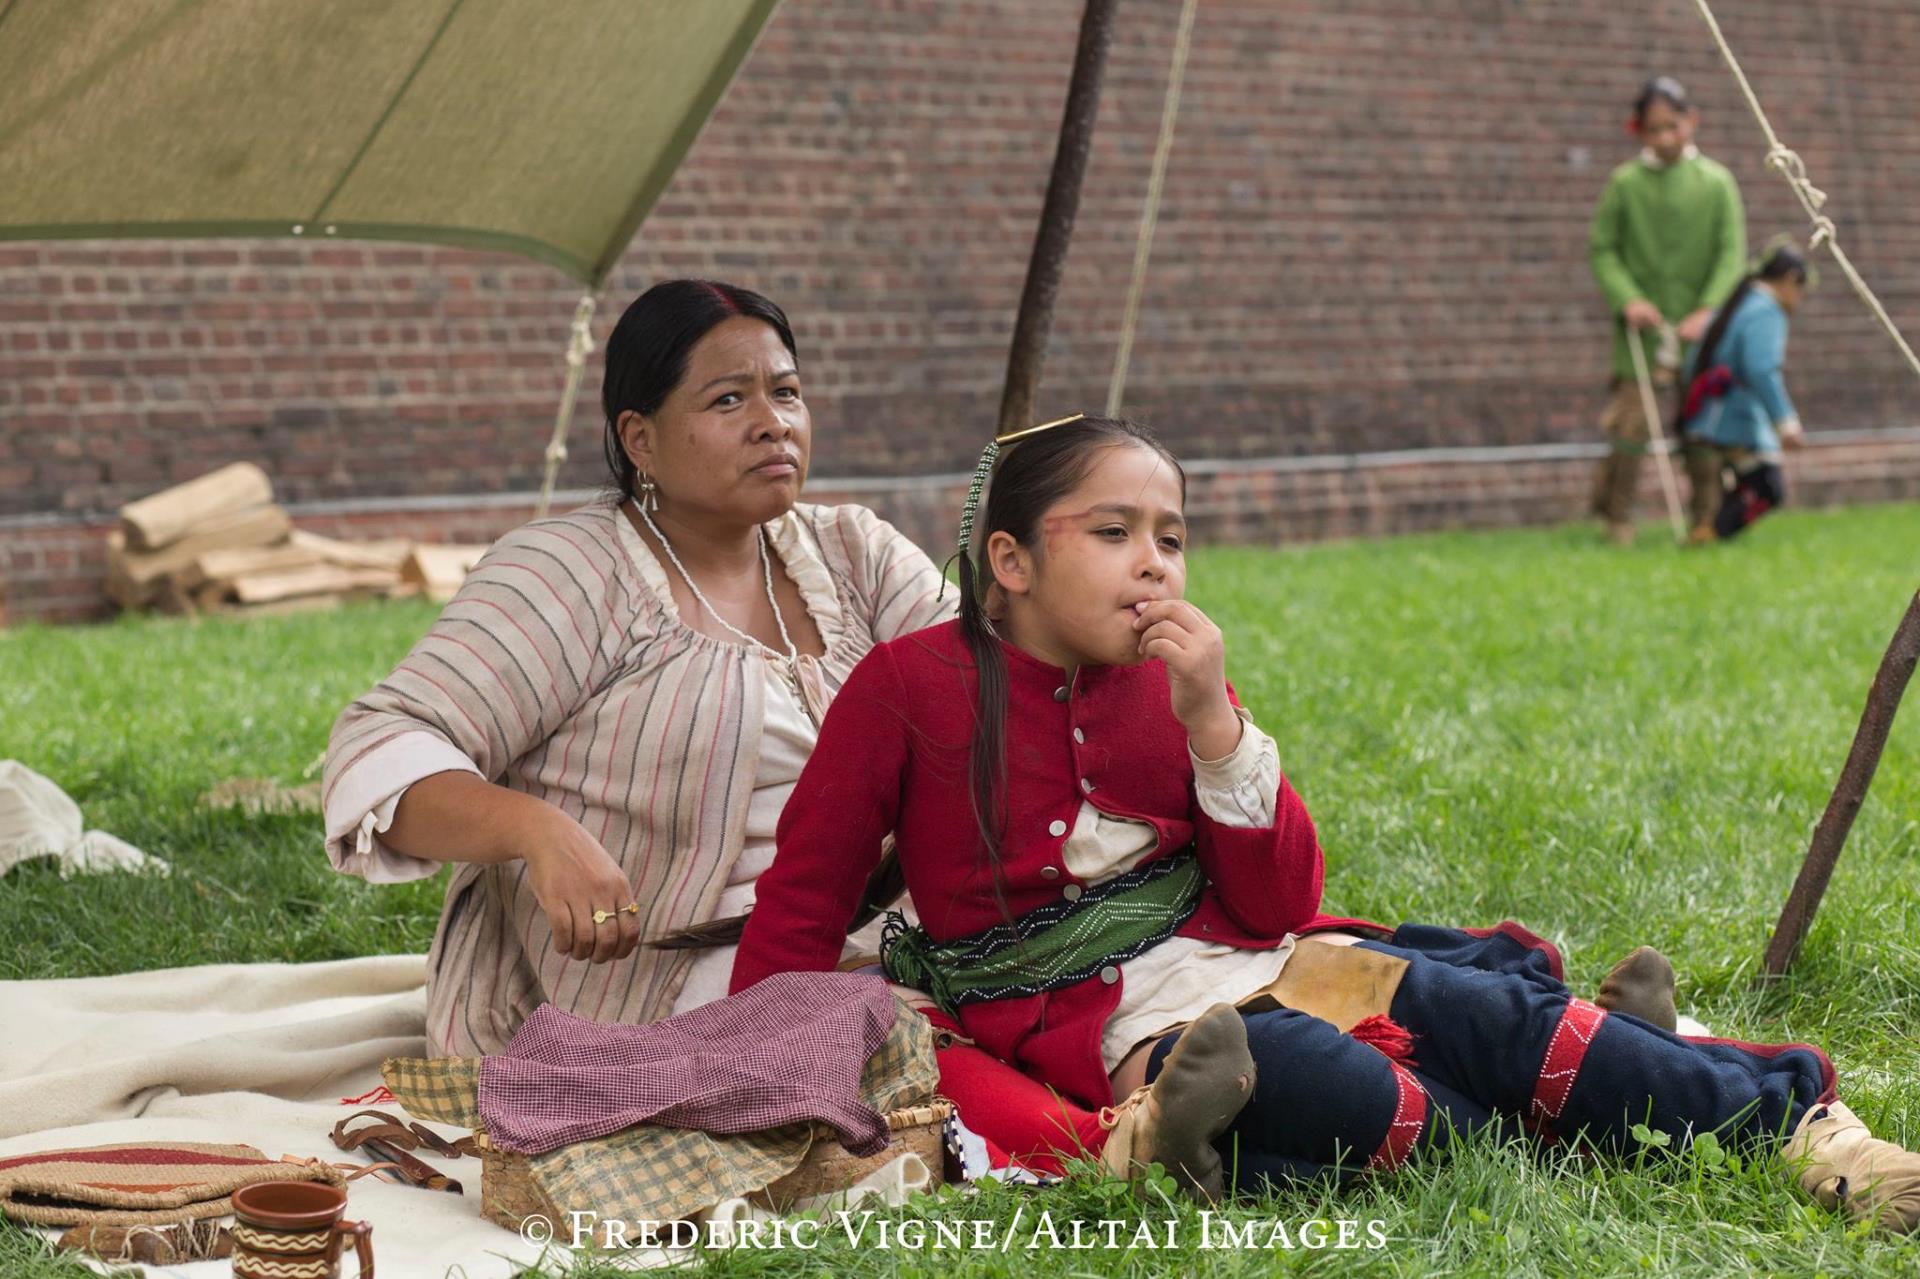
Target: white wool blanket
(264,1054)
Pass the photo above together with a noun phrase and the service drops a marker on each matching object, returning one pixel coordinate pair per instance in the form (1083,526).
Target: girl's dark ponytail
(988,756)
(1710,344)
(1781,261)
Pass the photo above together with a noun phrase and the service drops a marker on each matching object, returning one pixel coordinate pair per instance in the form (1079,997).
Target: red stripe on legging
(136,1155)
(1409,1117)
(1561,1066)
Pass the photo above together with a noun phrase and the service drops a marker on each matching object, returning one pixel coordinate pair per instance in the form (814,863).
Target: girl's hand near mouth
(1196,658)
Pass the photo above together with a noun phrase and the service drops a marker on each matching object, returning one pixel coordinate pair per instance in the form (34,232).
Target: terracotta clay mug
(292,1230)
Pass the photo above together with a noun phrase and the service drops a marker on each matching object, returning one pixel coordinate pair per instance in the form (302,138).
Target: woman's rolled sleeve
(511,657)
(363,800)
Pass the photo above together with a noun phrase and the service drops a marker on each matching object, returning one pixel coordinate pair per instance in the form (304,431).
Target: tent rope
(579,347)
(1896,668)
(1150,214)
(1788,164)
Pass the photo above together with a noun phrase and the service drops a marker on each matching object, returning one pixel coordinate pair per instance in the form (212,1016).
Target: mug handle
(362,1232)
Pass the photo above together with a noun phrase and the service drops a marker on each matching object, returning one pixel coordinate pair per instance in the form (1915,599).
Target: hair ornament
(988,456)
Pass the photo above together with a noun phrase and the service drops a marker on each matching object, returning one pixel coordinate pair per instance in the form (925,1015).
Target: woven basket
(509,1194)
(828,1167)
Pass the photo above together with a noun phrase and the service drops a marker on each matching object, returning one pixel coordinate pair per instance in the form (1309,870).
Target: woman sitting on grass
(1116,881)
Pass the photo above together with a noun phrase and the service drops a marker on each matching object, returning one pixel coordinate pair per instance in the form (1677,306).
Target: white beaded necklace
(791,661)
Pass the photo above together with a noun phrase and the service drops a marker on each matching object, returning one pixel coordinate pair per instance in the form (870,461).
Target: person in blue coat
(1737,402)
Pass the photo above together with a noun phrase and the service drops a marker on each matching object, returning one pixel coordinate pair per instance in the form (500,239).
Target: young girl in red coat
(1115,882)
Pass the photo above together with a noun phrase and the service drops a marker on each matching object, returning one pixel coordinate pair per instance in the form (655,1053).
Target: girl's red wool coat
(893,757)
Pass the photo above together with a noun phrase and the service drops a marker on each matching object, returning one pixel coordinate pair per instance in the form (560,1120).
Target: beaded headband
(988,456)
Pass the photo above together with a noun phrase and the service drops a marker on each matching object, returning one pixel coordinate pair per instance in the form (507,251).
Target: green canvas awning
(541,127)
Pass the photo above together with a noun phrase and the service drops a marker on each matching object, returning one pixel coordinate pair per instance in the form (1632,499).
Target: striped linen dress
(561,670)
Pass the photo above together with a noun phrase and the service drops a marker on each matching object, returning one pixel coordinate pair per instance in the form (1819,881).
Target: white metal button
(1071,892)
(1079,737)
(1049,872)
(1086,785)
(1109,974)
(1056,828)
(1060,694)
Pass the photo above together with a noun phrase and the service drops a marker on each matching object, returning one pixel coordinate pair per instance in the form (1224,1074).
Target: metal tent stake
(1883,699)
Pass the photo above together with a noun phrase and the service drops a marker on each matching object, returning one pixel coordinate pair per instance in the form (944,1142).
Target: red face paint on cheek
(1055,528)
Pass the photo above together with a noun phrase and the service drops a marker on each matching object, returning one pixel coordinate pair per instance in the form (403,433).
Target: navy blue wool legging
(1497,1041)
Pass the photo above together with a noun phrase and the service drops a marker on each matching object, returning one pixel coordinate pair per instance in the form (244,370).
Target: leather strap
(390,1139)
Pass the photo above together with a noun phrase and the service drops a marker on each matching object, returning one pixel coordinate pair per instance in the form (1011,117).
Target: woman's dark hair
(1782,262)
(647,353)
(1662,88)
(1029,477)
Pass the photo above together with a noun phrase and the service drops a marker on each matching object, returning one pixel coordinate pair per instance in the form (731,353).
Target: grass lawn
(1613,748)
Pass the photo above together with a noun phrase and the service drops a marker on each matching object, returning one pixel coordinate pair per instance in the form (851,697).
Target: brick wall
(1372,239)
(53,567)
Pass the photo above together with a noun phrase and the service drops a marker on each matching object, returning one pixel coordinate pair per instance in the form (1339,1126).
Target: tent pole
(1035,318)
(579,347)
(1856,775)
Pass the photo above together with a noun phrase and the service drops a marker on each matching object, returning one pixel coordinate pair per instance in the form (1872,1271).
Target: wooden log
(171,514)
(171,599)
(122,589)
(222,566)
(280,608)
(387,552)
(314,579)
(438,570)
(127,593)
(260,526)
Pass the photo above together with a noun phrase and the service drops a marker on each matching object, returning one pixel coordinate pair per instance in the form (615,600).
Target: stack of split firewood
(218,544)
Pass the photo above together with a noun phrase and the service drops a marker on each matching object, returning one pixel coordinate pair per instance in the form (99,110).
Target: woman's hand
(1695,326)
(1196,656)
(572,877)
(1642,314)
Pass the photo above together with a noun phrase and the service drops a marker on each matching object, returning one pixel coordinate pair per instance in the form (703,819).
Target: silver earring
(649,493)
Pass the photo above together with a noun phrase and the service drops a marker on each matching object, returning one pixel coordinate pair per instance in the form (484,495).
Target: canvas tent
(541,127)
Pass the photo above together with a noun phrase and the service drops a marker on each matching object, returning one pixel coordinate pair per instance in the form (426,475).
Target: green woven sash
(1058,945)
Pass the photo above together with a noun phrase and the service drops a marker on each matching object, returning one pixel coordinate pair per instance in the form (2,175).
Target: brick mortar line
(1275,465)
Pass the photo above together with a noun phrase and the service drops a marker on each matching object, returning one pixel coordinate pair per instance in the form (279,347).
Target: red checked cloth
(786,1050)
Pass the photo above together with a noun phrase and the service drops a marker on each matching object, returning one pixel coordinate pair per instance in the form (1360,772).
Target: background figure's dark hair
(1782,262)
(1030,476)
(647,353)
(1662,88)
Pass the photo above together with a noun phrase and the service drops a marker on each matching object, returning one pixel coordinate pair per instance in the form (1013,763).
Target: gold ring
(602,916)
(632,908)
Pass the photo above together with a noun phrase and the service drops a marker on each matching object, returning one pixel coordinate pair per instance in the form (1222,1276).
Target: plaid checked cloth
(786,1050)
(653,1173)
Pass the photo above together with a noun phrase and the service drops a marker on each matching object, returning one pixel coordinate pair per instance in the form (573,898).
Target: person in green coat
(1668,244)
